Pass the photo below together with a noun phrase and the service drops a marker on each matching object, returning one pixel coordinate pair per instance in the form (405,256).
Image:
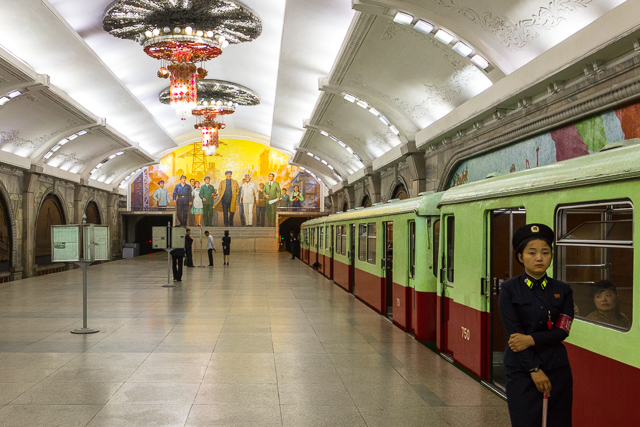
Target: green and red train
(434,265)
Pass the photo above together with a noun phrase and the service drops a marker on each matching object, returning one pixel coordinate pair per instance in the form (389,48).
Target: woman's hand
(519,342)
(542,382)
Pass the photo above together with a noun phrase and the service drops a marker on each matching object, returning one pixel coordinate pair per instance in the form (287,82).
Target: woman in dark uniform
(537,312)
(226,247)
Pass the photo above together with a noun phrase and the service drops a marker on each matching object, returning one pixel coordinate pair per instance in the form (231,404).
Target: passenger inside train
(605,298)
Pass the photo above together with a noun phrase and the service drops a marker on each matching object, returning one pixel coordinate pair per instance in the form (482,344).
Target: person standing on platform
(293,244)
(537,312)
(161,196)
(226,247)
(260,209)
(271,193)
(240,205)
(227,198)
(210,248)
(249,198)
(208,195)
(182,197)
(177,258)
(188,248)
(196,208)
(296,198)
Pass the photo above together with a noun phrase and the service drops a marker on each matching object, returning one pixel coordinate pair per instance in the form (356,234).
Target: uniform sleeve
(528,358)
(554,336)
(175,192)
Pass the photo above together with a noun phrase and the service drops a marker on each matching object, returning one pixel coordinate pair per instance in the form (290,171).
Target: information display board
(88,249)
(65,243)
(159,237)
(177,237)
(101,242)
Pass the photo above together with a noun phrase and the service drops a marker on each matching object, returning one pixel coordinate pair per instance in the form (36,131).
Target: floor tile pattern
(265,341)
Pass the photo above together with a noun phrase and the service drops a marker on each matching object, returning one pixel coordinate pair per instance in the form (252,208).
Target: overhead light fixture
(330,167)
(56,148)
(324,133)
(349,149)
(374,111)
(72,137)
(119,153)
(394,129)
(443,36)
(333,138)
(363,104)
(342,144)
(462,49)
(324,161)
(317,158)
(423,26)
(357,157)
(63,141)
(309,153)
(384,120)
(113,156)
(403,18)
(4,100)
(349,97)
(99,165)
(14,94)
(48,155)
(479,62)
(82,132)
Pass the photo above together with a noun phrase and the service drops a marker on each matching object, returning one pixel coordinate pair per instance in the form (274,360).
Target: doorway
(502,266)
(388,267)
(352,258)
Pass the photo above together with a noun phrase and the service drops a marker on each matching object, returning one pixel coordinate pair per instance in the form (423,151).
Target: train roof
(422,205)
(611,165)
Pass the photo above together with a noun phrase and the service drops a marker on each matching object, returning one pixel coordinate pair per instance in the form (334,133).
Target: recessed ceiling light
(119,153)
(374,111)
(63,141)
(363,104)
(403,18)
(324,133)
(4,100)
(324,161)
(423,26)
(462,49)
(394,130)
(48,155)
(14,94)
(479,61)
(317,158)
(350,150)
(82,132)
(113,156)
(349,97)
(56,148)
(330,167)
(309,153)
(342,144)
(384,120)
(443,36)
(72,137)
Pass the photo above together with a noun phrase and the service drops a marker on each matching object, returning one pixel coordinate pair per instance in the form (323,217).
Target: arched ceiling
(340,80)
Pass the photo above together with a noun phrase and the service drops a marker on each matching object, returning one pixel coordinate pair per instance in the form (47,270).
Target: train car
(589,202)
(385,256)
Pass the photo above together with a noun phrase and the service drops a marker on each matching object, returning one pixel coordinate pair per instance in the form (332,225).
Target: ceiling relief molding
(357,34)
(517,35)
(346,163)
(24,96)
(12,137)
(362,144)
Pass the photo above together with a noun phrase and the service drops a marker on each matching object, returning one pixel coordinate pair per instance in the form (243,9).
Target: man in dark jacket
(188,247)
(177,256)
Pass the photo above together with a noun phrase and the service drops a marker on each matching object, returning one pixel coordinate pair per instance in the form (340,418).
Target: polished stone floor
(265,341)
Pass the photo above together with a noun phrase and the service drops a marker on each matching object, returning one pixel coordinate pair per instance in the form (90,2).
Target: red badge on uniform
(564,323)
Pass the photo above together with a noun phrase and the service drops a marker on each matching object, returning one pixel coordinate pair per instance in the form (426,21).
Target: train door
(316,234)
(501,265)
(446,291)
(330,246)
(388,266)
(352,258)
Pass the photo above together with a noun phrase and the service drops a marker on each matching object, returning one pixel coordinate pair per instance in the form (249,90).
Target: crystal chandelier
(216,99)
(182,35)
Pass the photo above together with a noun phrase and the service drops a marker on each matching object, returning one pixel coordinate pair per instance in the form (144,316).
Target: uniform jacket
(261,201)
(181,190)
(235,189)
(161,196)
(188,242)
(273,191)
(284,201)
(523,311)
(207,192)
(249,192)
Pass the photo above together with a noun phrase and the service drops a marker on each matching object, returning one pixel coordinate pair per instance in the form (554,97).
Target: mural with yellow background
(239,156)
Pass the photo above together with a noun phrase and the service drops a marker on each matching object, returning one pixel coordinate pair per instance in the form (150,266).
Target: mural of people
(228,195)
(182,197)
(161,196)
(249,198)
(196,208)
(240,205)
(284,199)
(271,193)
(296,198)
(208,195)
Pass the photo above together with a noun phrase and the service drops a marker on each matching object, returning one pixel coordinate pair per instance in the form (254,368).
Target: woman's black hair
(604,285)
(524,244)
(226,232)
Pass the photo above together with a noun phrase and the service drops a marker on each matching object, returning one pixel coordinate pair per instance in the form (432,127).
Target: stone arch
(93,212)
(345,205)
(8,232)
(51,212)
(365,202)
(398,189)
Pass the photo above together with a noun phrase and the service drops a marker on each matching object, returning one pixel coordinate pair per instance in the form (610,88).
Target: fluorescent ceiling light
(72,137)
(462,49)
(63,141)
(444,37)
(363,104)
(384,120)
(4,100)
(14,94)
(113,156)
(423,26)
(394,130)
(82,132)
(48,155)
(333,137)
(342,144)
(349,97)
(317,158)
(349,149)
(99,165)
(56,148)
(324,133)
(324,161)
(309,153)
(403,18)
(330,167)
(374,111)
(357,157)
(479,61)
(119,153)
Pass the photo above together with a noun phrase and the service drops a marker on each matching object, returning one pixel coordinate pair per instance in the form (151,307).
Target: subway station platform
(266,341)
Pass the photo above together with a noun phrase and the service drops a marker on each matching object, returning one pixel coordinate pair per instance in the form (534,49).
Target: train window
(343,239)
(338,239)
(362,242)
(412,249)
(594,255)
(451,223)
(327,233)
(371,243)
(321,240)
(434,246)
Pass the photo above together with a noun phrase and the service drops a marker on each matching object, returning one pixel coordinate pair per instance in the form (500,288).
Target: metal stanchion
(169,283)
(84,329)
(201,265)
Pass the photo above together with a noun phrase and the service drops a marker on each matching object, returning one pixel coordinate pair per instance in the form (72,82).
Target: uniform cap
(183,176)
(206,177)
(161,182)
(532,230)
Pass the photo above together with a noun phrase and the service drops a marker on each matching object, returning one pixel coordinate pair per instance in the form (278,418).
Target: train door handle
(448,285)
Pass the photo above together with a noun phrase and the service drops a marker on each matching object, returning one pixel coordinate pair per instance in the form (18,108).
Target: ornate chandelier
(182,35)
(216,99)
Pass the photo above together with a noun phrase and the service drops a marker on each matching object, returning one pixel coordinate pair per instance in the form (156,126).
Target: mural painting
(579,139)
(296,189)
(5,240)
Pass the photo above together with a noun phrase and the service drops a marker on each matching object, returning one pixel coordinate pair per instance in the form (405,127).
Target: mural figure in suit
(271,193)
(182,197)
(208,195)
(227,198)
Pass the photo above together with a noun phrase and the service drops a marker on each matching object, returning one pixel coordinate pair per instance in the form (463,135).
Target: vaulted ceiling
(342,84)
